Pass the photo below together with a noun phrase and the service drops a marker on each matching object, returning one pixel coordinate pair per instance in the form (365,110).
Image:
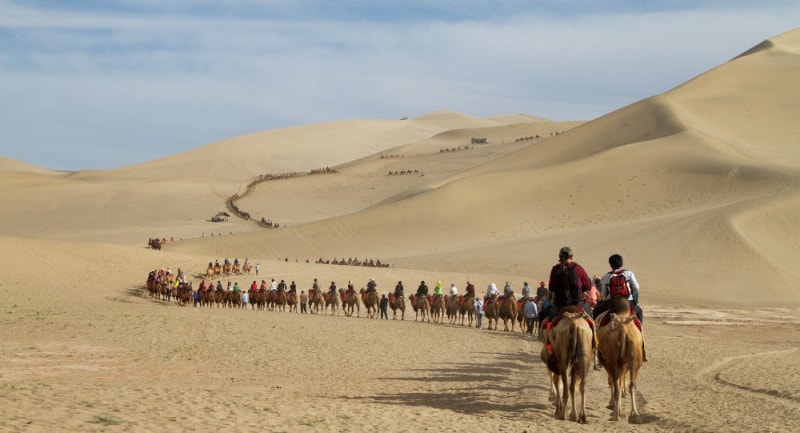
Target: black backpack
(565,286)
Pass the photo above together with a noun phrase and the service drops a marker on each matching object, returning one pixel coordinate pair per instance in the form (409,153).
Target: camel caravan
(227,268)
(578,324)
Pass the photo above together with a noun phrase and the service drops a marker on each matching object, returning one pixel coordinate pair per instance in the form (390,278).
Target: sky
(100,84)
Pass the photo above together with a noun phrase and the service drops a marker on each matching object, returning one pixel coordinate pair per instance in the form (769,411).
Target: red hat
(541,283)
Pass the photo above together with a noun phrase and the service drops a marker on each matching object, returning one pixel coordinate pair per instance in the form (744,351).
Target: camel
(620,350)
(451,308)
(371,301)
(237,268)
(291,301)
(492,312)
(397,303)
(247,267)
(438,308)
(235,299)
(226,268)
(279,301)
(521,314)
(350,302)
(507,311)
(466,309)
(217,269)
(210,271)
(317,302)
(570,344)
(421,307)
(332,301)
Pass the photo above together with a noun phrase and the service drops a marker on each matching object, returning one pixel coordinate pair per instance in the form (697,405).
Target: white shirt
(530,310)
(492,289)
(633,285)
(453,290)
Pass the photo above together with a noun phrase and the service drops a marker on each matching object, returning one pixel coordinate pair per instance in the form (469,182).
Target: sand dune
(698,188)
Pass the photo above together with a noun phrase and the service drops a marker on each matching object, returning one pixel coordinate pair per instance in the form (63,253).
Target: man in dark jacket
(567,281)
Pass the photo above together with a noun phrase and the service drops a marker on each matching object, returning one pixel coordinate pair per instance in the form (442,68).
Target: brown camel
(421,307)
(210,271)
(332,301)
(507,311)
(370,300)
(247,267)
(237,268)
(350,303)
(397,303)
(466,309)
(227,268)
(571,342)
(451,309)
(438,308)
(491,311)
(620,350)
(317,302)
(279,301)
(291,301)
(235,299)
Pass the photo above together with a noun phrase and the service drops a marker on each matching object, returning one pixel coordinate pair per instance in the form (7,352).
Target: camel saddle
(552,324)
(607,318)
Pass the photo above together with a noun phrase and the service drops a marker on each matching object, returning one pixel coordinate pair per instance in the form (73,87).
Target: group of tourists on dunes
(580,321)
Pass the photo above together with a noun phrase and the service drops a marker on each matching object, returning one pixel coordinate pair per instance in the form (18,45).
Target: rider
(453,290)
(437,290)
(332,288)
(350,288)
(372,285)
(254,286)
(526,291)
(470,290)
(507,290)
(236,287)
(227,262)
(398,290)
(236,261)
(491,291)
(615,261)
(282,286)
(273,285)
(219,286)
(422,290)
(567,280)
(293,287)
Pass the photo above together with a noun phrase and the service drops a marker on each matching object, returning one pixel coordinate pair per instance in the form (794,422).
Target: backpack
(565,286)
(618,284)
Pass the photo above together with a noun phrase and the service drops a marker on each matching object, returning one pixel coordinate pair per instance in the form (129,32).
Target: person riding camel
(236,287)
(618,282)
(229,286)
(273,286)
(219,286)
(227,262)
(281,286)
(470,290)
(567,281)
(216,263)
(453,290)
(332,288)
(422,290)
(202,285)
(236,261)
(508,291)
(293,287)
(372,286)
(526,291)
(351,289)
(263,285)
(398,290)
(254,286)
(491,292)
(437,289)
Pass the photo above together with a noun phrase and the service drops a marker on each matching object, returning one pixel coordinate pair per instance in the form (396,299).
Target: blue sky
(99,84)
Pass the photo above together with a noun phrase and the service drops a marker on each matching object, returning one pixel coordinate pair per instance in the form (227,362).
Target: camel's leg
(634,417)
(582,418)
(573,383)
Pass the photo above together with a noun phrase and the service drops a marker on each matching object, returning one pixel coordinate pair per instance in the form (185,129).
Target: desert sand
(698,188)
